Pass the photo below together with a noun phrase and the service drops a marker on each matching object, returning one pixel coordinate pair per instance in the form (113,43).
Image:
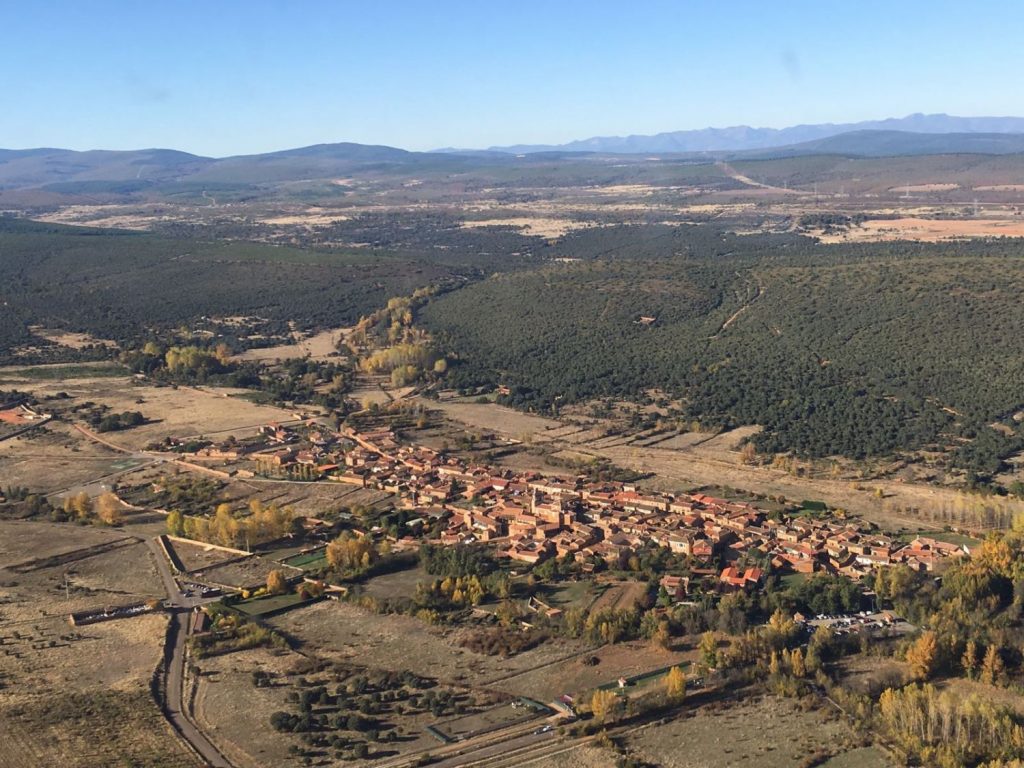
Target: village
(599,581)
(528,517)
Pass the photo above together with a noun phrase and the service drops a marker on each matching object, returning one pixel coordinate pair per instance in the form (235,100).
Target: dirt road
(732,173)
(174,697)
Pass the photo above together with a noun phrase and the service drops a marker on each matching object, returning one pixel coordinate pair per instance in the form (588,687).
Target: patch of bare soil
(70,338)
(493,418)
(105,216)
(927,230)
(938,187)
(543,227)
(319,346)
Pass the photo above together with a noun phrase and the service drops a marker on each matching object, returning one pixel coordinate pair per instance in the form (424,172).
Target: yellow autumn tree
(175,523)
(709,650)
(992,667)
(797,664)
(349,552)
(969,661)
(277,584)
(675,684)
(108,509)
(224,528)
(922,656)
(604,705)
(80,505)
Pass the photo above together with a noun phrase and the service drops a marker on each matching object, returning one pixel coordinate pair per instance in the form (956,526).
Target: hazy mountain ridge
(744,137)
(62,171)
(899,143)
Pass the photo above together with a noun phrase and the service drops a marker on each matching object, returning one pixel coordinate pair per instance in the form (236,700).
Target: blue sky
(226,77)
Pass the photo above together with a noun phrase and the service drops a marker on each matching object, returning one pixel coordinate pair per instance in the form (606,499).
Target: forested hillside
(126,286)
(851,350)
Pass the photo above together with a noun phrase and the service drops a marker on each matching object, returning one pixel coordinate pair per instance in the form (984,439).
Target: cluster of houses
(530,518)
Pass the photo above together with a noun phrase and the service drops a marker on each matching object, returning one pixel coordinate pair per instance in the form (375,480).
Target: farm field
(929,230)
(78,696)
(491,417)
(311,499)
(245,573)
(343,632)
(171,411)
(196,556)
(55,456)
(398,584)
(619,595)
(573,676)
(748,734)
(319,346)
(236,714)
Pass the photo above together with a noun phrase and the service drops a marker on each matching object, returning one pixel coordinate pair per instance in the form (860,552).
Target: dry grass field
(928,230)
(752,733)
(247,573)
(583,756)
(70,339)
(342,632)
(320,346)
(533,225)
(620,595)
(196,556)
(171,411)
(54,457)
(78,696)
(369,394)
(86,729)
(574,677)
(398,584)
(236,714)
(492,418)
(23,541)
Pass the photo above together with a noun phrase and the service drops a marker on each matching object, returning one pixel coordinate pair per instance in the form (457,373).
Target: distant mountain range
(54,174)
(743,137)
(45,167)
(896,144)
